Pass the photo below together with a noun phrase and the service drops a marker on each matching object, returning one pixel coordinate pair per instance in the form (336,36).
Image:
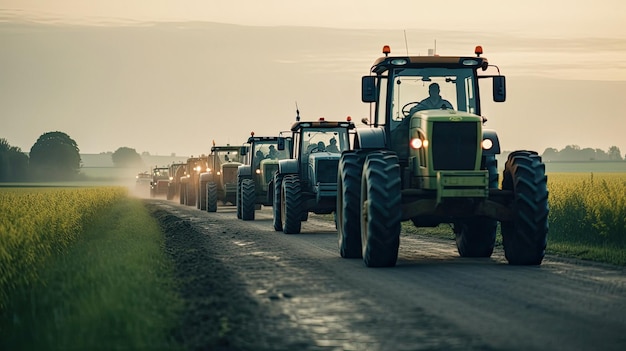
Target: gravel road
(248,287)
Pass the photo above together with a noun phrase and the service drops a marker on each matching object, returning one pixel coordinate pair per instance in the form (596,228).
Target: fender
(370,138)
(244,171)
(493,136)
(289,166)
(206,176)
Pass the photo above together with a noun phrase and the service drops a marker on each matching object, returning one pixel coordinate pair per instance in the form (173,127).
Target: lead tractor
(429,159)
(255,178)
(308,181)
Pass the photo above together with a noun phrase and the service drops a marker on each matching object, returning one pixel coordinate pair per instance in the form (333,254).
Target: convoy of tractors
(423,155)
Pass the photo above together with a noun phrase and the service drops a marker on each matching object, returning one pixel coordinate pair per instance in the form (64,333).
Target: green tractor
(159,181)
(189,191)
(255,178)
(308,181)
(219,182)
(429,159)
(176,171)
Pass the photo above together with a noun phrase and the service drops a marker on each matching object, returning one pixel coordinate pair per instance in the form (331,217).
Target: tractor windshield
(417,89)
(268,150)
(332,140)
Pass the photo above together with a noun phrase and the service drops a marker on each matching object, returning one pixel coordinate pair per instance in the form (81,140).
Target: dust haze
(173,88)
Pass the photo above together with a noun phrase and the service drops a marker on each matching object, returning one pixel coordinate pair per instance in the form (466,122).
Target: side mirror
(368,89)
(281,143)
(499,89)
(243,151)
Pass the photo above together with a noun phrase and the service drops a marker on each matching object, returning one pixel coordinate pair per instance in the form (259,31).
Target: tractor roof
(225,148)
(321,123)
(386,62)
(262,138)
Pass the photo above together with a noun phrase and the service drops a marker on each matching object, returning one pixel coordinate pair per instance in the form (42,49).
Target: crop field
(36,223)
(588,215)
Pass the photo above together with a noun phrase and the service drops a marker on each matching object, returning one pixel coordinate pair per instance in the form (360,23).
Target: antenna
(297,113)
(406,43)
(435,47)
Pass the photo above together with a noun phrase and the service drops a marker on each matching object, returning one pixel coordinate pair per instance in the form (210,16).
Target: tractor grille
(454,145)
(229,175)
(327,171)
(268,171)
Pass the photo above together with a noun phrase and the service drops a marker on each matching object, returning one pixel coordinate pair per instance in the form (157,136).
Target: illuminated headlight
(171,178)
(218,172)
(208,170)
(188,175)
(258,171)
(198,168)
(417,143)
(487,144)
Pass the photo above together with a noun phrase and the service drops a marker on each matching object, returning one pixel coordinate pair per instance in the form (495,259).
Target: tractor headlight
(417,143)
(487,144)
(218,172)
(258,171)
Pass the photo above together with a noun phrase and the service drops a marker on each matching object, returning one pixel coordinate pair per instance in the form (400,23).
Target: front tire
(277,221)
(202,196)
(380,210)
(238,197)
(347,218)
(248,199)
(476,237)
(211,205)
(291,205)
(525,237)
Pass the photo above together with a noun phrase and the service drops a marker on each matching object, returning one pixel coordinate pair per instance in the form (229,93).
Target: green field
(81,269)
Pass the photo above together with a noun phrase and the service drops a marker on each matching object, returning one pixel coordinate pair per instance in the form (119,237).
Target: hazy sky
(559,17)
(86,66)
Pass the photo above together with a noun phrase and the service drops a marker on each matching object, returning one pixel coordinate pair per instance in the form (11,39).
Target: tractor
(255,178)
(308,181)
(176,171)
(429,159)
(189,181)
(220,179)
(159,181)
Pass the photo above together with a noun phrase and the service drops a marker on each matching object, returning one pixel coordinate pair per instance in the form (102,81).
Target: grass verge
(112,289)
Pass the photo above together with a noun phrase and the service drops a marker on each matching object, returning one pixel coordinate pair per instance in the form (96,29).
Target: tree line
(55,156)
(577,154)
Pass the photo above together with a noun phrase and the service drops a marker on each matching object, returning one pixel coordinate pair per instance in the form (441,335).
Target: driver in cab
(433,102)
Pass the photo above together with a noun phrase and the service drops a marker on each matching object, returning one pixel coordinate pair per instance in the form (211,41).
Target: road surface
(299,294)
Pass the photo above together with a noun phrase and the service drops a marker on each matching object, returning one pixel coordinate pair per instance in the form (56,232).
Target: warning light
(386,50)
(321,119)
(349,119)
(251,133)
(478,50)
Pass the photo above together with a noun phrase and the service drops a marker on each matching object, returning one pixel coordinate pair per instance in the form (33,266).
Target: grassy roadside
(112,289)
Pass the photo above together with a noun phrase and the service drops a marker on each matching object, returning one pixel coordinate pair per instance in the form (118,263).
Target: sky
(83,66)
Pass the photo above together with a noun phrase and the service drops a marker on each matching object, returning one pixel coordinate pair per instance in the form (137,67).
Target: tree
(615,154)
(55,156)
(126,157)
(550,154)
(13,163)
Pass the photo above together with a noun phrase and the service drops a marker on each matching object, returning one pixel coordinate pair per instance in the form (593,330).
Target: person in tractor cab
(273,153)
(433,102)
(332,147)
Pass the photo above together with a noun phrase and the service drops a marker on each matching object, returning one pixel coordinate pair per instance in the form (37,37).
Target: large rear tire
(525,237)
(347,213)
(248,199)
(277,221)
(380,210)
(291,205)
(476,237)
(211,205)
